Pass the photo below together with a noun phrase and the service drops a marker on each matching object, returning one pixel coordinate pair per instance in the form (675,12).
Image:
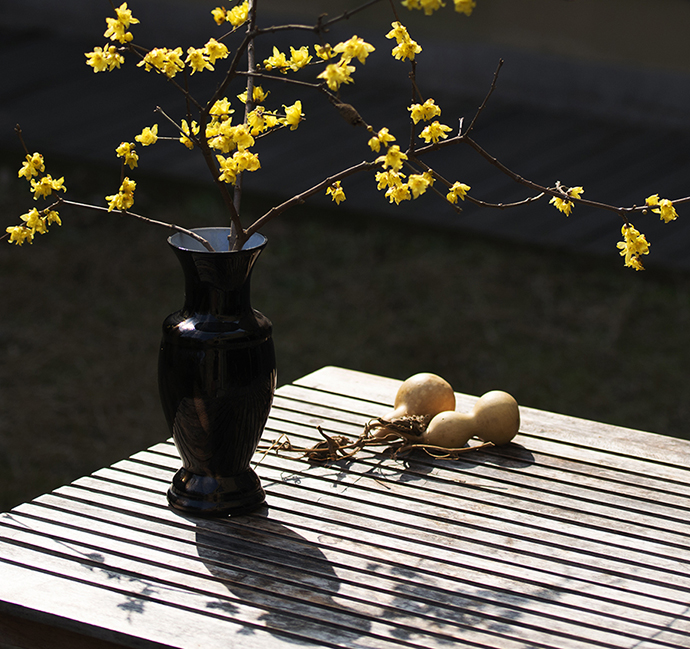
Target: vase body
(217,376)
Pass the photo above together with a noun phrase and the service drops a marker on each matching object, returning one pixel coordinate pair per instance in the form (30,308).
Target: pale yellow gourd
(497,417)
(449,429)
(423,394)
(494,418)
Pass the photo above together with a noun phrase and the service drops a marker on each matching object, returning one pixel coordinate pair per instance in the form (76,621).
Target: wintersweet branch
(145,219)
(298,199)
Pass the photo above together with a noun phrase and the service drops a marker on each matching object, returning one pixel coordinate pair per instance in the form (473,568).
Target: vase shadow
(278,582)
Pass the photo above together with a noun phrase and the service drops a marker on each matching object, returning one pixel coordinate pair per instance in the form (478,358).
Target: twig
(146,219)
(486,99)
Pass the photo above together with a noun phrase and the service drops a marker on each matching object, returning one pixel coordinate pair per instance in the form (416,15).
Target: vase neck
(217,284)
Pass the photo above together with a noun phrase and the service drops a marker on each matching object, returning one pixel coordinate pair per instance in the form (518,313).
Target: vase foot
(216,496)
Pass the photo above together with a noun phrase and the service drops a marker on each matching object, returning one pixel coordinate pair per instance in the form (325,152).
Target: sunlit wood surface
(574,536)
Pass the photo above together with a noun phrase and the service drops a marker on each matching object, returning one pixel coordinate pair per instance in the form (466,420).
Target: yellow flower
(335,191)
(124,15)
(126,151)
(107,58)
(32,165)
(117,27)
(337,74)
(19,234)
(465,6)
(46,186)
(241,136)
(564,205)
(52,217)
(169,62)
(34,221)
(293,115)
(458,190)
(398,193)
(221,107)
(215,50)
(389,179)
(354,48)
(424,111)
(299,58)
(429,6)
(184,138)
(258,94)
(435,131)
(148,136)
(238,15)
(124,199)
(665,210)
(241,161)
(418,183)
(406,48)
(246,160)
(382,137)
(633,245)
(394,158)
(256,120)
(219,15)
(228,169)
(277,60)
(324,52)
(198,59)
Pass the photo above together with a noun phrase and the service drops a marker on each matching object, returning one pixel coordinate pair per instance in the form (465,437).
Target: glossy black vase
(217,375)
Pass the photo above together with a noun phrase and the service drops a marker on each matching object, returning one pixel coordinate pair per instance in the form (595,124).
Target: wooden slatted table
(576,536)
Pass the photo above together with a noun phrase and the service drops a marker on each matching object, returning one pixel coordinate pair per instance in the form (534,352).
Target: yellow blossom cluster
(429,6)
(236,16)
(406,48)
(117,27)
(426,111)
(633,245)
(391,179)
(124,199)
(336,192)
(563,204)
(458,190)
(35,220)
(127,151)
(106,58)
(663,207)
(337,74)
(299,58)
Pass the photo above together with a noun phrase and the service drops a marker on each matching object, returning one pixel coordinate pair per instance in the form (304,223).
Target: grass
(83,308)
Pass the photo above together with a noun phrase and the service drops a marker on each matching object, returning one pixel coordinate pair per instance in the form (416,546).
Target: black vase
(217,376)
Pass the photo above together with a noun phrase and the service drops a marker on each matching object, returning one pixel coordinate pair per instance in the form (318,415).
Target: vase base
(216,496)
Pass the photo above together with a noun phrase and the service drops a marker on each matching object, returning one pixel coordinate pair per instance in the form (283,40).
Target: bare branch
(145,219)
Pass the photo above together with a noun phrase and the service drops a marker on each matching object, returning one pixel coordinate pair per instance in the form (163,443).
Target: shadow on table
(277,581)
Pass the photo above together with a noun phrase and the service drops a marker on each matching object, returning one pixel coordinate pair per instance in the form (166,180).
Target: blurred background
(592,92)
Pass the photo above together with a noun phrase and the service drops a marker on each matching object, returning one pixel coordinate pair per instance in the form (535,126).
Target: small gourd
(423,394)
(495,418)
(449,430)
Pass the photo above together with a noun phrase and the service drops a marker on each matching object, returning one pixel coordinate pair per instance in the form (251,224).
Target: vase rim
(217,237)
